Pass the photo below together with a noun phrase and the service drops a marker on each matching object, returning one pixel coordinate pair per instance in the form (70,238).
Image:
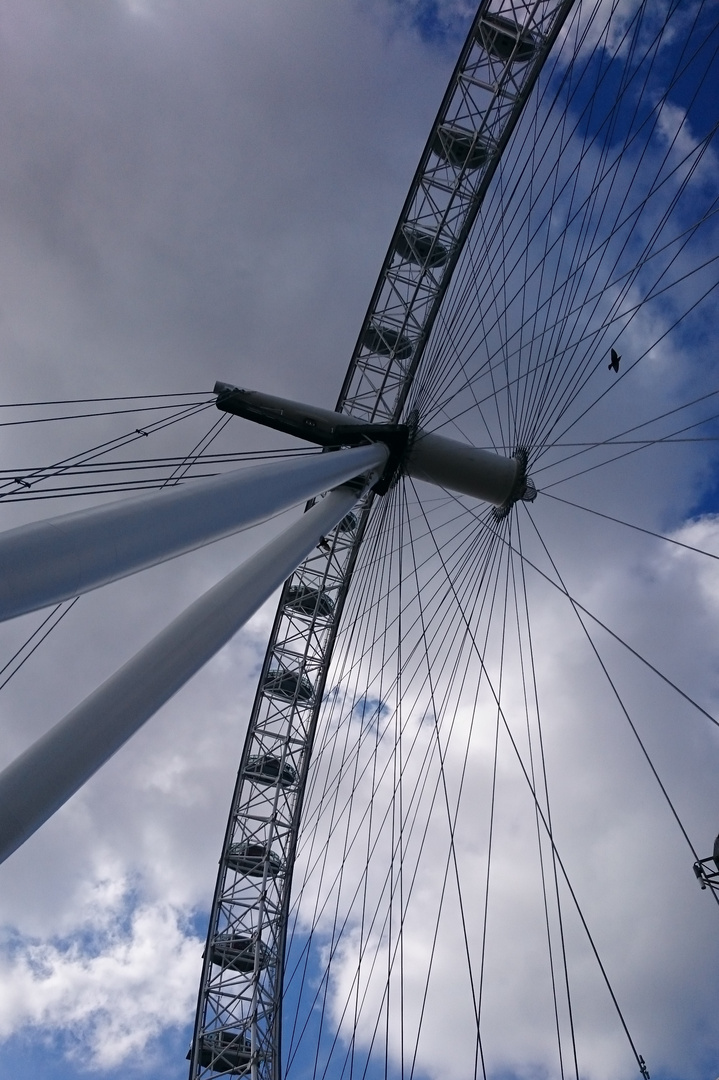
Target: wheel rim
(517,398)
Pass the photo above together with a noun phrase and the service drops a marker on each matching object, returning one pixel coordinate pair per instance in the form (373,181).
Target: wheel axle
(455,466)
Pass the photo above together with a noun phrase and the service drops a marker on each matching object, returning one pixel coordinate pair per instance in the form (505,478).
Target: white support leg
(37,783)
(53,560)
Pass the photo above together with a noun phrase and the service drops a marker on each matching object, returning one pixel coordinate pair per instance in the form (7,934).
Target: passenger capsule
(225,1051)
(248,858)
(238,952)
(420,247)
(461,148)
(385,341)
(288,685)
(310,601)
(268,769)
(505,39)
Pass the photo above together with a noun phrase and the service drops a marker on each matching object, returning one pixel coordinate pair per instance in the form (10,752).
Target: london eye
(477,774)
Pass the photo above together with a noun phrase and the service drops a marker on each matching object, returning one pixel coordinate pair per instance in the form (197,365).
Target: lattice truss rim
(238,1023)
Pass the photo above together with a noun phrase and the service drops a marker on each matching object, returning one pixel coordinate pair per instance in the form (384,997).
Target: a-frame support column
(37,783)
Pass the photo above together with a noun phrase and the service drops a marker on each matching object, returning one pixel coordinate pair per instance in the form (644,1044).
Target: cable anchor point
(524,489)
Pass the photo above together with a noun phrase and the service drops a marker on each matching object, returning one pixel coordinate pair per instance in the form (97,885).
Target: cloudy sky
(201,191)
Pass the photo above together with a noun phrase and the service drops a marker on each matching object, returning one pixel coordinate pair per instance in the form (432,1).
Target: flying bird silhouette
(614,362)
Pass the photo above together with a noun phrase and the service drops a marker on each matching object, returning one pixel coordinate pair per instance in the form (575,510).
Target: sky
(192,192)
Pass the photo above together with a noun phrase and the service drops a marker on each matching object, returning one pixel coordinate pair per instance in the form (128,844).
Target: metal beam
(53,560)
(465,469)
(453,465)
(37,783)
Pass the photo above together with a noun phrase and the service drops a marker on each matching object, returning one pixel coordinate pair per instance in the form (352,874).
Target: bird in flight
(614,362)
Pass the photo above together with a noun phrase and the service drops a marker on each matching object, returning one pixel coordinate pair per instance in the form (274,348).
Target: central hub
(501,481)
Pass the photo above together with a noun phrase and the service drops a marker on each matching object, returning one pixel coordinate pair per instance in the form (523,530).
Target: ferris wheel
(399,892)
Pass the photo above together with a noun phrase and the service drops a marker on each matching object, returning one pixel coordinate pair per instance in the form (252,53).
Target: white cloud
(133,980)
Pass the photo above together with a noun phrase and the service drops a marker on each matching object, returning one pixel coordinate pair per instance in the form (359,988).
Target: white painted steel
(465,469)
(314,417)
(434,458)
(49,772)
(52,560)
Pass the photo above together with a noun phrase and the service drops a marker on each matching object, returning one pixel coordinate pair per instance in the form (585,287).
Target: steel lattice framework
(238,1023)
